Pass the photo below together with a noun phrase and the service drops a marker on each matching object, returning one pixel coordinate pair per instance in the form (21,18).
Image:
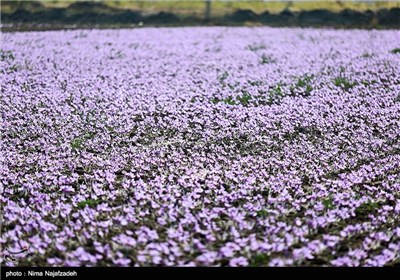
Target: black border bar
(175,273)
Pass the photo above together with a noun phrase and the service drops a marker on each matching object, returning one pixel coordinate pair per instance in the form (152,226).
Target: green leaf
(88,202)
(328,203)
(77,143)
(262,213)
(367,208)
(395,51)
(343,83)
(260,260)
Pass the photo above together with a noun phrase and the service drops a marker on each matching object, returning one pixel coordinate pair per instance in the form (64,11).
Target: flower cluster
(201,147)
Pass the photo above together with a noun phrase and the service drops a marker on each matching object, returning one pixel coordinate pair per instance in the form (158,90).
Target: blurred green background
(218,7)
(348,13)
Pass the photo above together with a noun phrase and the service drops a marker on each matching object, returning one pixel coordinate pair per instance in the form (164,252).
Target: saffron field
(208,146)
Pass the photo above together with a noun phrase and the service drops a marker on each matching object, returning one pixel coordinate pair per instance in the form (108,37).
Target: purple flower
(240,261)
(201,146)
